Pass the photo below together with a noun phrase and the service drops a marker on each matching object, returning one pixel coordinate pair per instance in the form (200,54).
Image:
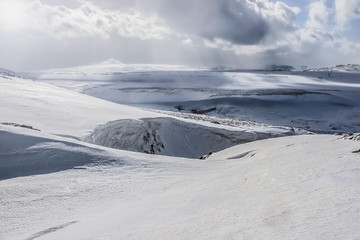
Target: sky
(43,34)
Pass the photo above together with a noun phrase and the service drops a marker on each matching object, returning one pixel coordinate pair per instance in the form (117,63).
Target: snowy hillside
(27,152)
(174,137)
(309,100)
(73,166)
(66,113)
(179,120)
(113,66)
(347,67)
(5,72)
(249,191)
(55,110)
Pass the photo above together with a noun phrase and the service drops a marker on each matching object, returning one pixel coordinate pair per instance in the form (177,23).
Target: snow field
(308,100)
(175,137)
(302,187)
(53,185)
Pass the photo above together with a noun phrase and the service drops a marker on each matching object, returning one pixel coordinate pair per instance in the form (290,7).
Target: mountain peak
(111,61)
(6,72)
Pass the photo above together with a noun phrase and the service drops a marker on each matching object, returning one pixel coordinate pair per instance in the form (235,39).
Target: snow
(62,112)
(25,153)
(56,183)
(56,110)
(347,67)
(6,73)
(81,179)
(263,195)
(173,137)
(113,66)
(309,100)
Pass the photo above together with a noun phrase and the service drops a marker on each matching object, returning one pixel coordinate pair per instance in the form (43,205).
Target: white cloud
(187,41)
(318,15)
(87,20)
(346,11)
(222,32)
(12,14)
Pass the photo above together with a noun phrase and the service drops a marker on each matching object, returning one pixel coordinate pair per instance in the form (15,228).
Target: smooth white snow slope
(303,187)
(81,180)
(56,110)
(26,152)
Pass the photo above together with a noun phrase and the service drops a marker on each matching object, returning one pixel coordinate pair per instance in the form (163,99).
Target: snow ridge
(7,73)
(173,137)
(34,153)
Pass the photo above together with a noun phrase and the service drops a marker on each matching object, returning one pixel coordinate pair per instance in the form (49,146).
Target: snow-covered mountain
(255,190)
(5,72)
(57,182)
(347,67)
(111,67)
(310,100)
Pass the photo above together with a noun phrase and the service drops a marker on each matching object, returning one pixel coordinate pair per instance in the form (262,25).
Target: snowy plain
(281,182)
(308,100)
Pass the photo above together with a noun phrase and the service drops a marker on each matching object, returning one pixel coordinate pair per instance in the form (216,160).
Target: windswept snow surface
(309,100)
(53,185)
(27,152)
(56,110)
(82,180)
(303,187)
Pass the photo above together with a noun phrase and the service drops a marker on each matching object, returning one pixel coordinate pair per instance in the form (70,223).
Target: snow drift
(172,137)
(303,187)
(25,154)
(57,110)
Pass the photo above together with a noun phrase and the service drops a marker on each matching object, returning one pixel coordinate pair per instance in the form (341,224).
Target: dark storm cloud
(227,19)
(245,22)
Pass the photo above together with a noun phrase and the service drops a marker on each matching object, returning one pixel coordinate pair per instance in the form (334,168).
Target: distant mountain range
(347,67)
(6,72)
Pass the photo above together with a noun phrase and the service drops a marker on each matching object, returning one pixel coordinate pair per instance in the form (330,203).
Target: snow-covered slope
(173,137)
(347,67)
(5,72)
(310,100)
(55,186)
(303,187)
(56,110)
(81,179)
(66,113)
(113,66)
(26,152)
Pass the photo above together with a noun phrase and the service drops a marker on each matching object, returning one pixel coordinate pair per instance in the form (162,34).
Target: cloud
(40,34)
(318,15)
(240,22)
(346,11)
(86,20)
